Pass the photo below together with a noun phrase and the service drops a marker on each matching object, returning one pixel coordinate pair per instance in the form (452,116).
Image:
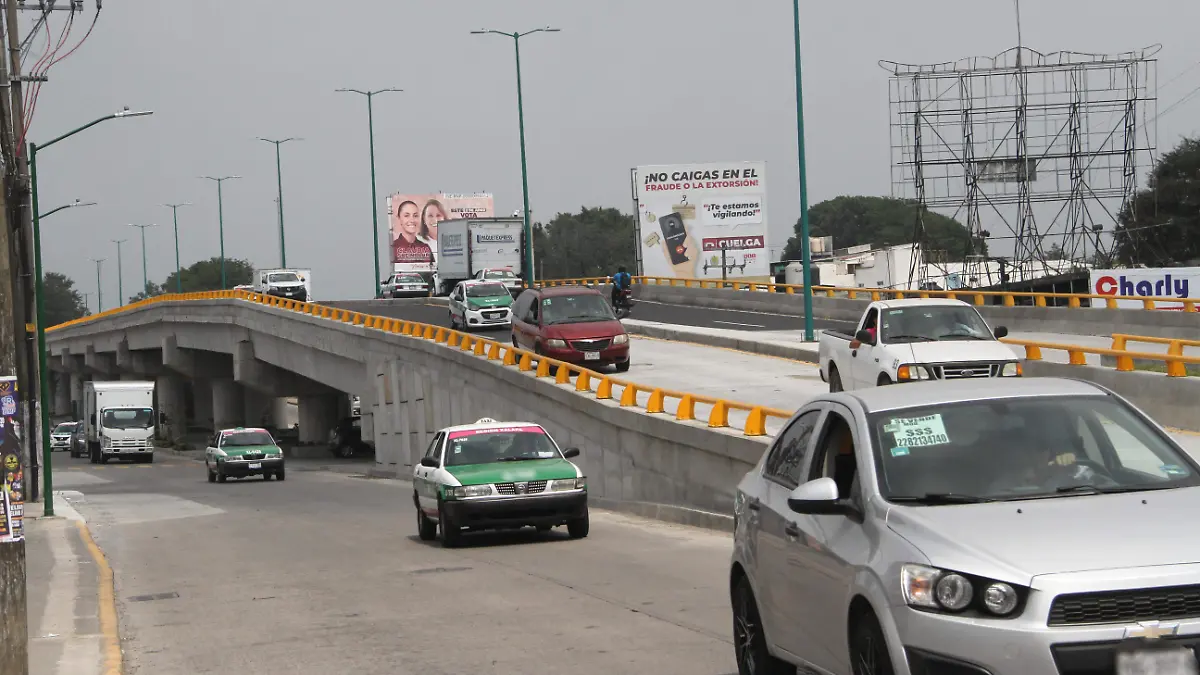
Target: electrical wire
(29,104)
(81,40)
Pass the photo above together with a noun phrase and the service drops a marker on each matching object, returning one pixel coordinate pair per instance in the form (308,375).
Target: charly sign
(12,470)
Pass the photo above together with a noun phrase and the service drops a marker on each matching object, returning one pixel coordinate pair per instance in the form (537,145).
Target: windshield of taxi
(64,428)
(1023,448)
(246,439)
(934,322)
(486,291)
(486,446)
(581,308)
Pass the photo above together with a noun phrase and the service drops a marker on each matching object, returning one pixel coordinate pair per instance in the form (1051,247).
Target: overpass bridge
(670,441)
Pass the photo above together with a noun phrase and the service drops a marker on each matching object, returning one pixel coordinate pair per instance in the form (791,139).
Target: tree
(591,243)
(205,275)
(1160,226)
(63,303)
(152,289)
(881,221)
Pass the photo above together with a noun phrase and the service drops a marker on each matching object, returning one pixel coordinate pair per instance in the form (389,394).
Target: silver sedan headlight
(930,588)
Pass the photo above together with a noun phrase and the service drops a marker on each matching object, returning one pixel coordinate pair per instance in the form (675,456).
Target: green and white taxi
(480,304)
(497,475)
(243,452)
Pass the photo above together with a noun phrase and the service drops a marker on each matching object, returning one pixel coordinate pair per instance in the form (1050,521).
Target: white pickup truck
(912,340)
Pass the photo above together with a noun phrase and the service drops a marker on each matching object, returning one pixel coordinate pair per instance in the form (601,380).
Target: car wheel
(345,450)
(884,381)
(749,641)
(279,475)
(623,366)
(868,648)
(426,528)
(221,478)
(835,380)
(544,528)
(451,534)
(212,476)
(266,476)
(578,528)
(453,322)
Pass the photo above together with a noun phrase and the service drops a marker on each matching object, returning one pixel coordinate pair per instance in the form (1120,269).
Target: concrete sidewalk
(72,617)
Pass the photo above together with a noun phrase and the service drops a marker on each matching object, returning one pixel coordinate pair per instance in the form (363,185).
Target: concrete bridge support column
(171,403)
(62,394)
(202,404)
(317,416)
(228,403)
(259,408)
(76,396)
(418,422)
(284,413)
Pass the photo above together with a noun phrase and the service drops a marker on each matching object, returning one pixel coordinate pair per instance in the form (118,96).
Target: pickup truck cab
(914,340)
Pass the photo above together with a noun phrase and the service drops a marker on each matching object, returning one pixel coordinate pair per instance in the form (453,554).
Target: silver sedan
(1012,527)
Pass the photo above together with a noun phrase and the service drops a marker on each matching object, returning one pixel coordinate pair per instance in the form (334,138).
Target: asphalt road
(324,573)
(649,311)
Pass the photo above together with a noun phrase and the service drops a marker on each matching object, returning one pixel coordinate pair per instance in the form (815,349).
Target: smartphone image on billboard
(675,234)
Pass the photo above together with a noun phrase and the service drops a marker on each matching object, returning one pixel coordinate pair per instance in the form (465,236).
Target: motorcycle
(623,303)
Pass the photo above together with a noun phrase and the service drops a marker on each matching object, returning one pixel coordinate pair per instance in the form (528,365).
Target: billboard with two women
(414,219)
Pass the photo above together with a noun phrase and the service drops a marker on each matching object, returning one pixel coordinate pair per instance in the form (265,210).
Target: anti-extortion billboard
(413,221)
(688,213)
(1151,282)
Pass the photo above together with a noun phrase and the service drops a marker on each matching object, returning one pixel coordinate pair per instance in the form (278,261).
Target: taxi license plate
(1157,662)
(256,466)
(591,356)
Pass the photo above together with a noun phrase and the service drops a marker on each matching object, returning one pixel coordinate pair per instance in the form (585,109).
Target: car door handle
(792,530)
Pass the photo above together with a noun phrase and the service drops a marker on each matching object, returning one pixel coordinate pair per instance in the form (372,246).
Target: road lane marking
(108,605)
(734,323)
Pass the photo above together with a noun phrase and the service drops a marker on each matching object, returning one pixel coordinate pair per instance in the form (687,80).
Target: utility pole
(120,285)
(99,292)
(221,221)
(279,180)
(374,199)
(145,277)
(175,216)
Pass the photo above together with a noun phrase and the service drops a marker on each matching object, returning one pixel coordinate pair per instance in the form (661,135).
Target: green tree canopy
(591,243)
(63,303)
(1160,226)
(152,289)
(204,275)
(881,221)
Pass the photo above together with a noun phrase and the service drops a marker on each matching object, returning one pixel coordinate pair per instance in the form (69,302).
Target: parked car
(912,340)
(404,285)
(1009,525)
(497,475)
(60,437)
(503,275)
(78,445)
(570,323)
(480,304)
(345,440)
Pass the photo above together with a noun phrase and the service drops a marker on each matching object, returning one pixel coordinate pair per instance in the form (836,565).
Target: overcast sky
(625,83)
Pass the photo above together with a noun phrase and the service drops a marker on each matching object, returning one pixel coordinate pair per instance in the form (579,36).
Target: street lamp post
(40,301)
(120,274)
(805,254)
(99,304)
(221,221)
(175,217)
(516,37)
(374,199)
(145,277)
(279,180)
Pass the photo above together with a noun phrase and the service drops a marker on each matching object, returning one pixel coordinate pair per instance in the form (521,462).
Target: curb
(802,354)
(678,515)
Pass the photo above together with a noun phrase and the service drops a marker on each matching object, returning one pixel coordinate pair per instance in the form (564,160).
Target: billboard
(1148,282)
(688,213)
(413,221)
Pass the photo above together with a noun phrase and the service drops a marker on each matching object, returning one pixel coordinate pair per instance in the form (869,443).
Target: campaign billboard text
(1156,282)
(688,213)
(413,221)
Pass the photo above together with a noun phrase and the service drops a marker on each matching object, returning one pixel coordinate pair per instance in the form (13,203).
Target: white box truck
(119,420)
(469,245)
(291,283)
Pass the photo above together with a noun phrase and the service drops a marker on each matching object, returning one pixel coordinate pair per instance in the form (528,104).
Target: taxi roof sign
(485,420)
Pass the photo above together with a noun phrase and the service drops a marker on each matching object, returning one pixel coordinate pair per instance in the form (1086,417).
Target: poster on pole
(689,213)
(12,470)
(413,222)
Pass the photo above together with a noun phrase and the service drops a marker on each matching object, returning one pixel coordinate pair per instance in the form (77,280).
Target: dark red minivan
(575,324)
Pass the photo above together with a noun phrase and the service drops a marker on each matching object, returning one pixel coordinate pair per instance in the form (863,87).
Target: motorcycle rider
(621,281)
